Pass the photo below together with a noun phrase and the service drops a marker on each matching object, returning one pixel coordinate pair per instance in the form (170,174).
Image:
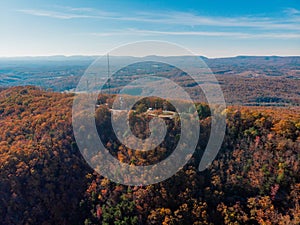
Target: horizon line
(101,55)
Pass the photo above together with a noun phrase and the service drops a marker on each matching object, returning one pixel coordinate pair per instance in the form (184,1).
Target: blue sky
(210,28)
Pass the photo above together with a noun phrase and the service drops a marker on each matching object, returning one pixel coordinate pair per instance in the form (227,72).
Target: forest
(255,178)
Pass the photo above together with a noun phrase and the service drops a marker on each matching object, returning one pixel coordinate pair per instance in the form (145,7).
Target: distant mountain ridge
(244,79)
(93,57)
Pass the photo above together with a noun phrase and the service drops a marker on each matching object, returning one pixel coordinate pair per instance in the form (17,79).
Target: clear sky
(208,27)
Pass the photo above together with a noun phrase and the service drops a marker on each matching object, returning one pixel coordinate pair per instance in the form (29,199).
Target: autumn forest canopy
(255,178)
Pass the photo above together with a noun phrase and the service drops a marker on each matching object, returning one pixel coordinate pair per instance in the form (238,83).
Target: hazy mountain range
(244,79)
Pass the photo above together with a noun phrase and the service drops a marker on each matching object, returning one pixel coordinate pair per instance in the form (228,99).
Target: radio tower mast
(108,73)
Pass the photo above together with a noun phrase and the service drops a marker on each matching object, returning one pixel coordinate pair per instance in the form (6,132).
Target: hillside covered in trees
(255,178)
